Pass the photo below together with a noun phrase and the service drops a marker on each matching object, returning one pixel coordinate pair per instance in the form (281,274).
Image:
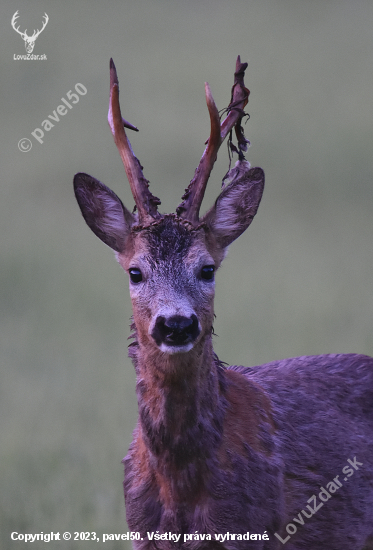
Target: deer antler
(37,32)
(146,202)
(193,195)
(14,18)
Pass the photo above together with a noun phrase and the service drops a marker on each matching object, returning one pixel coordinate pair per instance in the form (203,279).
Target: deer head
(171,259)
(29,40)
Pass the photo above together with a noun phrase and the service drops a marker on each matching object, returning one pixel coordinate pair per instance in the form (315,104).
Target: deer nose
(176,330)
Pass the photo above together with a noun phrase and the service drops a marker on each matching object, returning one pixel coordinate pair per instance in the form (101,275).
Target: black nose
(176,330)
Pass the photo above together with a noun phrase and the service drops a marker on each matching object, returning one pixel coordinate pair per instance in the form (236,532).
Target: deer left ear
(103,211)
(237,204)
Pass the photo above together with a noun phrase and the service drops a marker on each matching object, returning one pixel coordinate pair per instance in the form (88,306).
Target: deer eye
(135,275)
(207,272)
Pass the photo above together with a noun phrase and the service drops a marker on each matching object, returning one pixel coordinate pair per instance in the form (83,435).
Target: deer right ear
(103,211)
(237,204)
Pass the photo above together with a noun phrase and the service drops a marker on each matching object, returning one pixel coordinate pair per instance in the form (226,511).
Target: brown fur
(247,407)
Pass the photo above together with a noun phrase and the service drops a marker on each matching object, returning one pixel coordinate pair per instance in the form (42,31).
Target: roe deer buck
(226,458)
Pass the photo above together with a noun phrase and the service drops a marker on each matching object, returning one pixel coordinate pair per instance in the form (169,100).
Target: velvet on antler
(146,202)
(193,196)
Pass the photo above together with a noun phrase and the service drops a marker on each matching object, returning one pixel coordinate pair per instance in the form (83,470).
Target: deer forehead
(170,247)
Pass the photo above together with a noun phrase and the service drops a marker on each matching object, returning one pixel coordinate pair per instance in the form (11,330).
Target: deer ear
(237,204)
(103,211)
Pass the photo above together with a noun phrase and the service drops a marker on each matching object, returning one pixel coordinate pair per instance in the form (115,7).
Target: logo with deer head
(29,40)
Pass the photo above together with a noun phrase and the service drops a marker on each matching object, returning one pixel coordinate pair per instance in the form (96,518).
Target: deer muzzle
(175,334)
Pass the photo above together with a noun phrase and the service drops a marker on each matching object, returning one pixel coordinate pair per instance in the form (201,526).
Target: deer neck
(180,405)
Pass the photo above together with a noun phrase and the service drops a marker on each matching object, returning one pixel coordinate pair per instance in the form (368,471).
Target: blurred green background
(300,281)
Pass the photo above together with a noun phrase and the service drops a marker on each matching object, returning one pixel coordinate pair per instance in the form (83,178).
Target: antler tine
(194,194)
(146,202)
(37,32)
(14,19)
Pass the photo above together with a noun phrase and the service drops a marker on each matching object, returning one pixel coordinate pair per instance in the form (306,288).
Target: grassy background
(299,282)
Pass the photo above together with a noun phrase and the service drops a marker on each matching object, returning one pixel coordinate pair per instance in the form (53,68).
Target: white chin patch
(176,349)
